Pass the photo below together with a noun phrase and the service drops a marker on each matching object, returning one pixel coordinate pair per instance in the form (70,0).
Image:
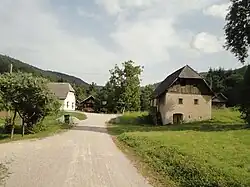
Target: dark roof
(219,98)
(184,72)
(89,97)
(60,90)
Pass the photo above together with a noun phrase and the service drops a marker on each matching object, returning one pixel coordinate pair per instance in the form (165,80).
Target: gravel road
(82,157)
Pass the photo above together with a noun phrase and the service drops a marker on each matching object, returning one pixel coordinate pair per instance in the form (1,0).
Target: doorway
(177,118)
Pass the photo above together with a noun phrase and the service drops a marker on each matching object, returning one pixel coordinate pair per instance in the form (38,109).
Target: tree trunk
(23,128)
(13,125)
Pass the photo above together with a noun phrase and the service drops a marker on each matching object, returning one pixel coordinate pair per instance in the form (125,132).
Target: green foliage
(29,96)
(245,93)
(80,92)
(92,89)
(237,29)
(213,153)
(227,82)
(48,126)
(146,94)
(123,88)
(102,96)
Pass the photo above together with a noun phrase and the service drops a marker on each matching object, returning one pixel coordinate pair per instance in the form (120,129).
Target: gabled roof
(184,72)
(60,90)
(220,97)
(91,96)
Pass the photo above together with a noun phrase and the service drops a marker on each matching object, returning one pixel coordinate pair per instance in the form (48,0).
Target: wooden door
(177,118)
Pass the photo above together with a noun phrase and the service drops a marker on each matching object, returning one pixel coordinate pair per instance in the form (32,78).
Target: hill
(18,65)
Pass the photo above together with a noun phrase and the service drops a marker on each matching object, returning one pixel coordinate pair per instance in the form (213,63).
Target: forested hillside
(5,62)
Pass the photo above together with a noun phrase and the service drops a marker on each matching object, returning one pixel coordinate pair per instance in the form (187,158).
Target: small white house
(65,93)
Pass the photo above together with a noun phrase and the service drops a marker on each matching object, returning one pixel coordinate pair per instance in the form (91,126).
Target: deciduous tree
(237,29)
(245,99)
(124,87)
(28,96)
(146,94)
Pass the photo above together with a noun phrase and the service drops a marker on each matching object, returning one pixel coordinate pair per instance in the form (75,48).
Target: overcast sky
(85,38)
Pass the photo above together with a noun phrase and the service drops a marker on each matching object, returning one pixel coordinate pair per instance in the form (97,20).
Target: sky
(87,38)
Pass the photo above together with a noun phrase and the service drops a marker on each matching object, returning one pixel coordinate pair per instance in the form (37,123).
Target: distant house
(65,93)
(184,96)
(219,100)
(87,105)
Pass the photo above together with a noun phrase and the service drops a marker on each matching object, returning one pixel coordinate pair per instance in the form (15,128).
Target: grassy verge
(211,153)
(48,127)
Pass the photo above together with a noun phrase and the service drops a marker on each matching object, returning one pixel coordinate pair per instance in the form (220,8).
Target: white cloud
(140,30)
(217,10)
(33,34)
(146,41)
(82,12)
(207,43)
(169,7)
(111,6)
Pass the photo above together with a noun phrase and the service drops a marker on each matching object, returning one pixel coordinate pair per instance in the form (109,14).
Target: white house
(65,93)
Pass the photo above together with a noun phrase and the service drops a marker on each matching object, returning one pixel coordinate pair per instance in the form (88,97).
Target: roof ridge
(185,72)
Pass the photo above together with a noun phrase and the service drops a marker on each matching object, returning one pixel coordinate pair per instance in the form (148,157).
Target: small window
(72,105)
(183,82)
(180,101)
(67,104)
(196,101)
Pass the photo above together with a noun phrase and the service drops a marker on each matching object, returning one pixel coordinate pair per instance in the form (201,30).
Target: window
(196,101)
(183,82)
(67,104)
(72,105)
(180,101)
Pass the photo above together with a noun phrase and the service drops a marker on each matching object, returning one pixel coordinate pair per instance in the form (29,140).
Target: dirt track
(83,157)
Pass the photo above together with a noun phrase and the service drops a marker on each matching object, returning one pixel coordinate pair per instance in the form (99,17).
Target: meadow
(209,153)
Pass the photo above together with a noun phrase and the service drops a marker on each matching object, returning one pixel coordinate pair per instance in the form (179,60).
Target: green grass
(48,127)
(211,153)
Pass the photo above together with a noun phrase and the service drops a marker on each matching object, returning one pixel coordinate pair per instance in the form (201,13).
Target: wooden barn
(87,105)
(219,101)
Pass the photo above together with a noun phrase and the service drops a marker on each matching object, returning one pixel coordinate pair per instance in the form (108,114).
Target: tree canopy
(244,95)
(227,82)
(28,96)
(146,94)
(122,91)
(237,29)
